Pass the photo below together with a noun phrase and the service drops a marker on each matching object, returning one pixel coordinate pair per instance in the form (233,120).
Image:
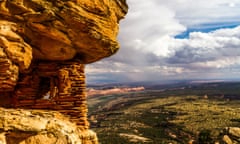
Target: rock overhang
(44,45)
(60,30)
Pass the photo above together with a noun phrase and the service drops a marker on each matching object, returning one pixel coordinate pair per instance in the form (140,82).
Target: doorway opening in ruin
(44,88)
(48,88)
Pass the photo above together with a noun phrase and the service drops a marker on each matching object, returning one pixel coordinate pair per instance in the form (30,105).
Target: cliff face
(44,46)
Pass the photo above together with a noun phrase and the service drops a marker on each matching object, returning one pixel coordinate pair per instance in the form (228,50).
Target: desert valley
(178,112)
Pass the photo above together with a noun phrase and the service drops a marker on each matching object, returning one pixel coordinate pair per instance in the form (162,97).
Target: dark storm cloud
(189,55)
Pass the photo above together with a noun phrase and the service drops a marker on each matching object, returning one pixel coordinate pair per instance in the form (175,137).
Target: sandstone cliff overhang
(44,45)
(33,31)
(84,30)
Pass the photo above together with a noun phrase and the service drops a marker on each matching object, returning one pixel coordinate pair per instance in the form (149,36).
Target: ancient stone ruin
(44,45)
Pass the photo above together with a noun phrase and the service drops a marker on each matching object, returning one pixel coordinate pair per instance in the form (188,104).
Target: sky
(174,40)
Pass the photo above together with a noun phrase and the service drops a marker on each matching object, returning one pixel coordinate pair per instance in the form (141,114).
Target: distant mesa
(94,92)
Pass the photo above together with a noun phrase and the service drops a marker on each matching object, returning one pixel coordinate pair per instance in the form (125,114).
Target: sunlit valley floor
(163,114)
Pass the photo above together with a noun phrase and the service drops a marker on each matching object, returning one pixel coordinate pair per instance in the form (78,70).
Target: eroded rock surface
(15,55)
(63,29)
(55,30)
(40,127)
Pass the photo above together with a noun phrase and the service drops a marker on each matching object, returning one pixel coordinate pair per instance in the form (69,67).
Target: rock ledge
(19,126)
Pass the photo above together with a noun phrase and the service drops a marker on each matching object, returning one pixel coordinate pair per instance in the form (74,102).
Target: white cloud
(145,23)
(192,12)
(206,46)
(150,51)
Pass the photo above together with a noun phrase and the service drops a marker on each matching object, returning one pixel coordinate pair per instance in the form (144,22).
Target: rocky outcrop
(40,127)
(63,30)
(15,55)
(44,46)
(231,135)
(55,30)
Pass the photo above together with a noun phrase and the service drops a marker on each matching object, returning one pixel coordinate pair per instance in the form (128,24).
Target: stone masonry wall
(54,86)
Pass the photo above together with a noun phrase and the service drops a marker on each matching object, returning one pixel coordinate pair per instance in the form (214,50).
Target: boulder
(234,131)
(230,135)
(226,139)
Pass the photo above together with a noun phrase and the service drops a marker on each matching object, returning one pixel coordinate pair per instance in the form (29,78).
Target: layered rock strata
(44,46)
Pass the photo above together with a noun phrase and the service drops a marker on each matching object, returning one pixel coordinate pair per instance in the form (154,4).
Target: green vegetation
(160,117)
